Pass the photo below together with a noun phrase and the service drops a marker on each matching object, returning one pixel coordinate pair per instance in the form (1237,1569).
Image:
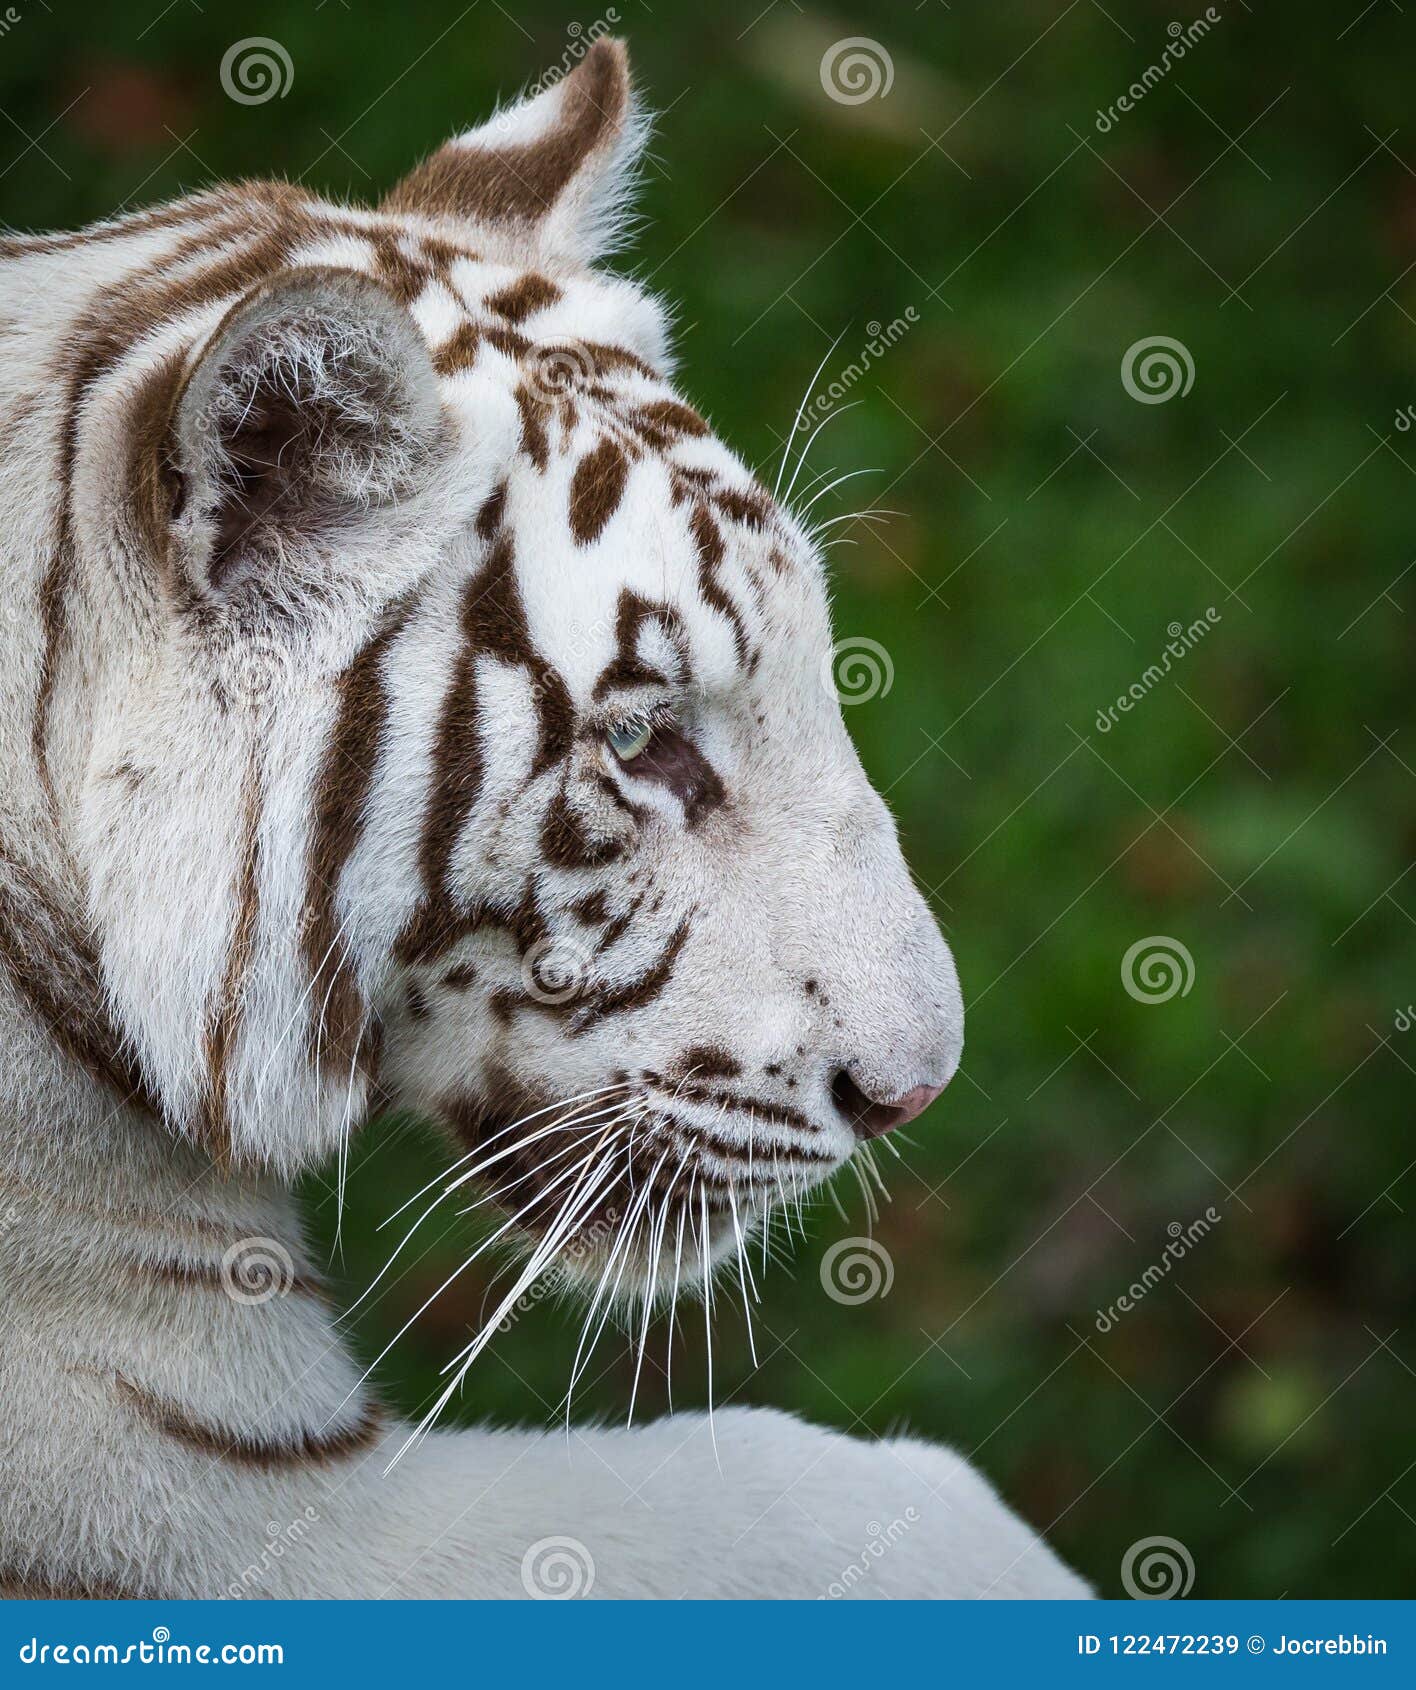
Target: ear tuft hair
(556,170)
(313,403)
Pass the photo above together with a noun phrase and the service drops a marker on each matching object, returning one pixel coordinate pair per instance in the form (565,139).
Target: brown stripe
(527,294)
(338,1010)
(596,489)
(709,541)
(58,977)
(211,1276)
(37,1586)
(634,994)
(224,1024)
(301,1449)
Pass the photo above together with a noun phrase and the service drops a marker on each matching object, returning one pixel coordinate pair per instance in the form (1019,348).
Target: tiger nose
(871,1116)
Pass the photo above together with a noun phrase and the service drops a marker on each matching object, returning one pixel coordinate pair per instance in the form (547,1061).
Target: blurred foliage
(1259,805)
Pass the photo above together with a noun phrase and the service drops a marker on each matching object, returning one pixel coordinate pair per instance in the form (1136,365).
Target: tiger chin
(409,700)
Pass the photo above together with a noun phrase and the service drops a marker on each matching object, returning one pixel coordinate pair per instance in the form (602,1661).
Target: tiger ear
(311,409)
(557,168)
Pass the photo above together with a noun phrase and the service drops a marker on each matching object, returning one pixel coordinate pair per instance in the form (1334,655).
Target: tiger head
(439,714)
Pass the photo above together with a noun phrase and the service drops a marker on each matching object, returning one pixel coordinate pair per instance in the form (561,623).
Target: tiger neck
(176,1297)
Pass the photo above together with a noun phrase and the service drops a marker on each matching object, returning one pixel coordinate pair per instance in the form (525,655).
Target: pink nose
(872,1116)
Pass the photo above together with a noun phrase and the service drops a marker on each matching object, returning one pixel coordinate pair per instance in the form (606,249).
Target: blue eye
(628,739)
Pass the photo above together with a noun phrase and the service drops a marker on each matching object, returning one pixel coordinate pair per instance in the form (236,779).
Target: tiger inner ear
(313,403)
(558,166)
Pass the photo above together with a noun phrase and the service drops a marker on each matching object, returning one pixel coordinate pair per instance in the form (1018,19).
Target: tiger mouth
(634,1159)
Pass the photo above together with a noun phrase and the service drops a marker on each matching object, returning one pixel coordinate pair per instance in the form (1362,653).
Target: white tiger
(408,699)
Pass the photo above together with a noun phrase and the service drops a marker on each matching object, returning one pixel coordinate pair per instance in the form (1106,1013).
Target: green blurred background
(1257,807)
